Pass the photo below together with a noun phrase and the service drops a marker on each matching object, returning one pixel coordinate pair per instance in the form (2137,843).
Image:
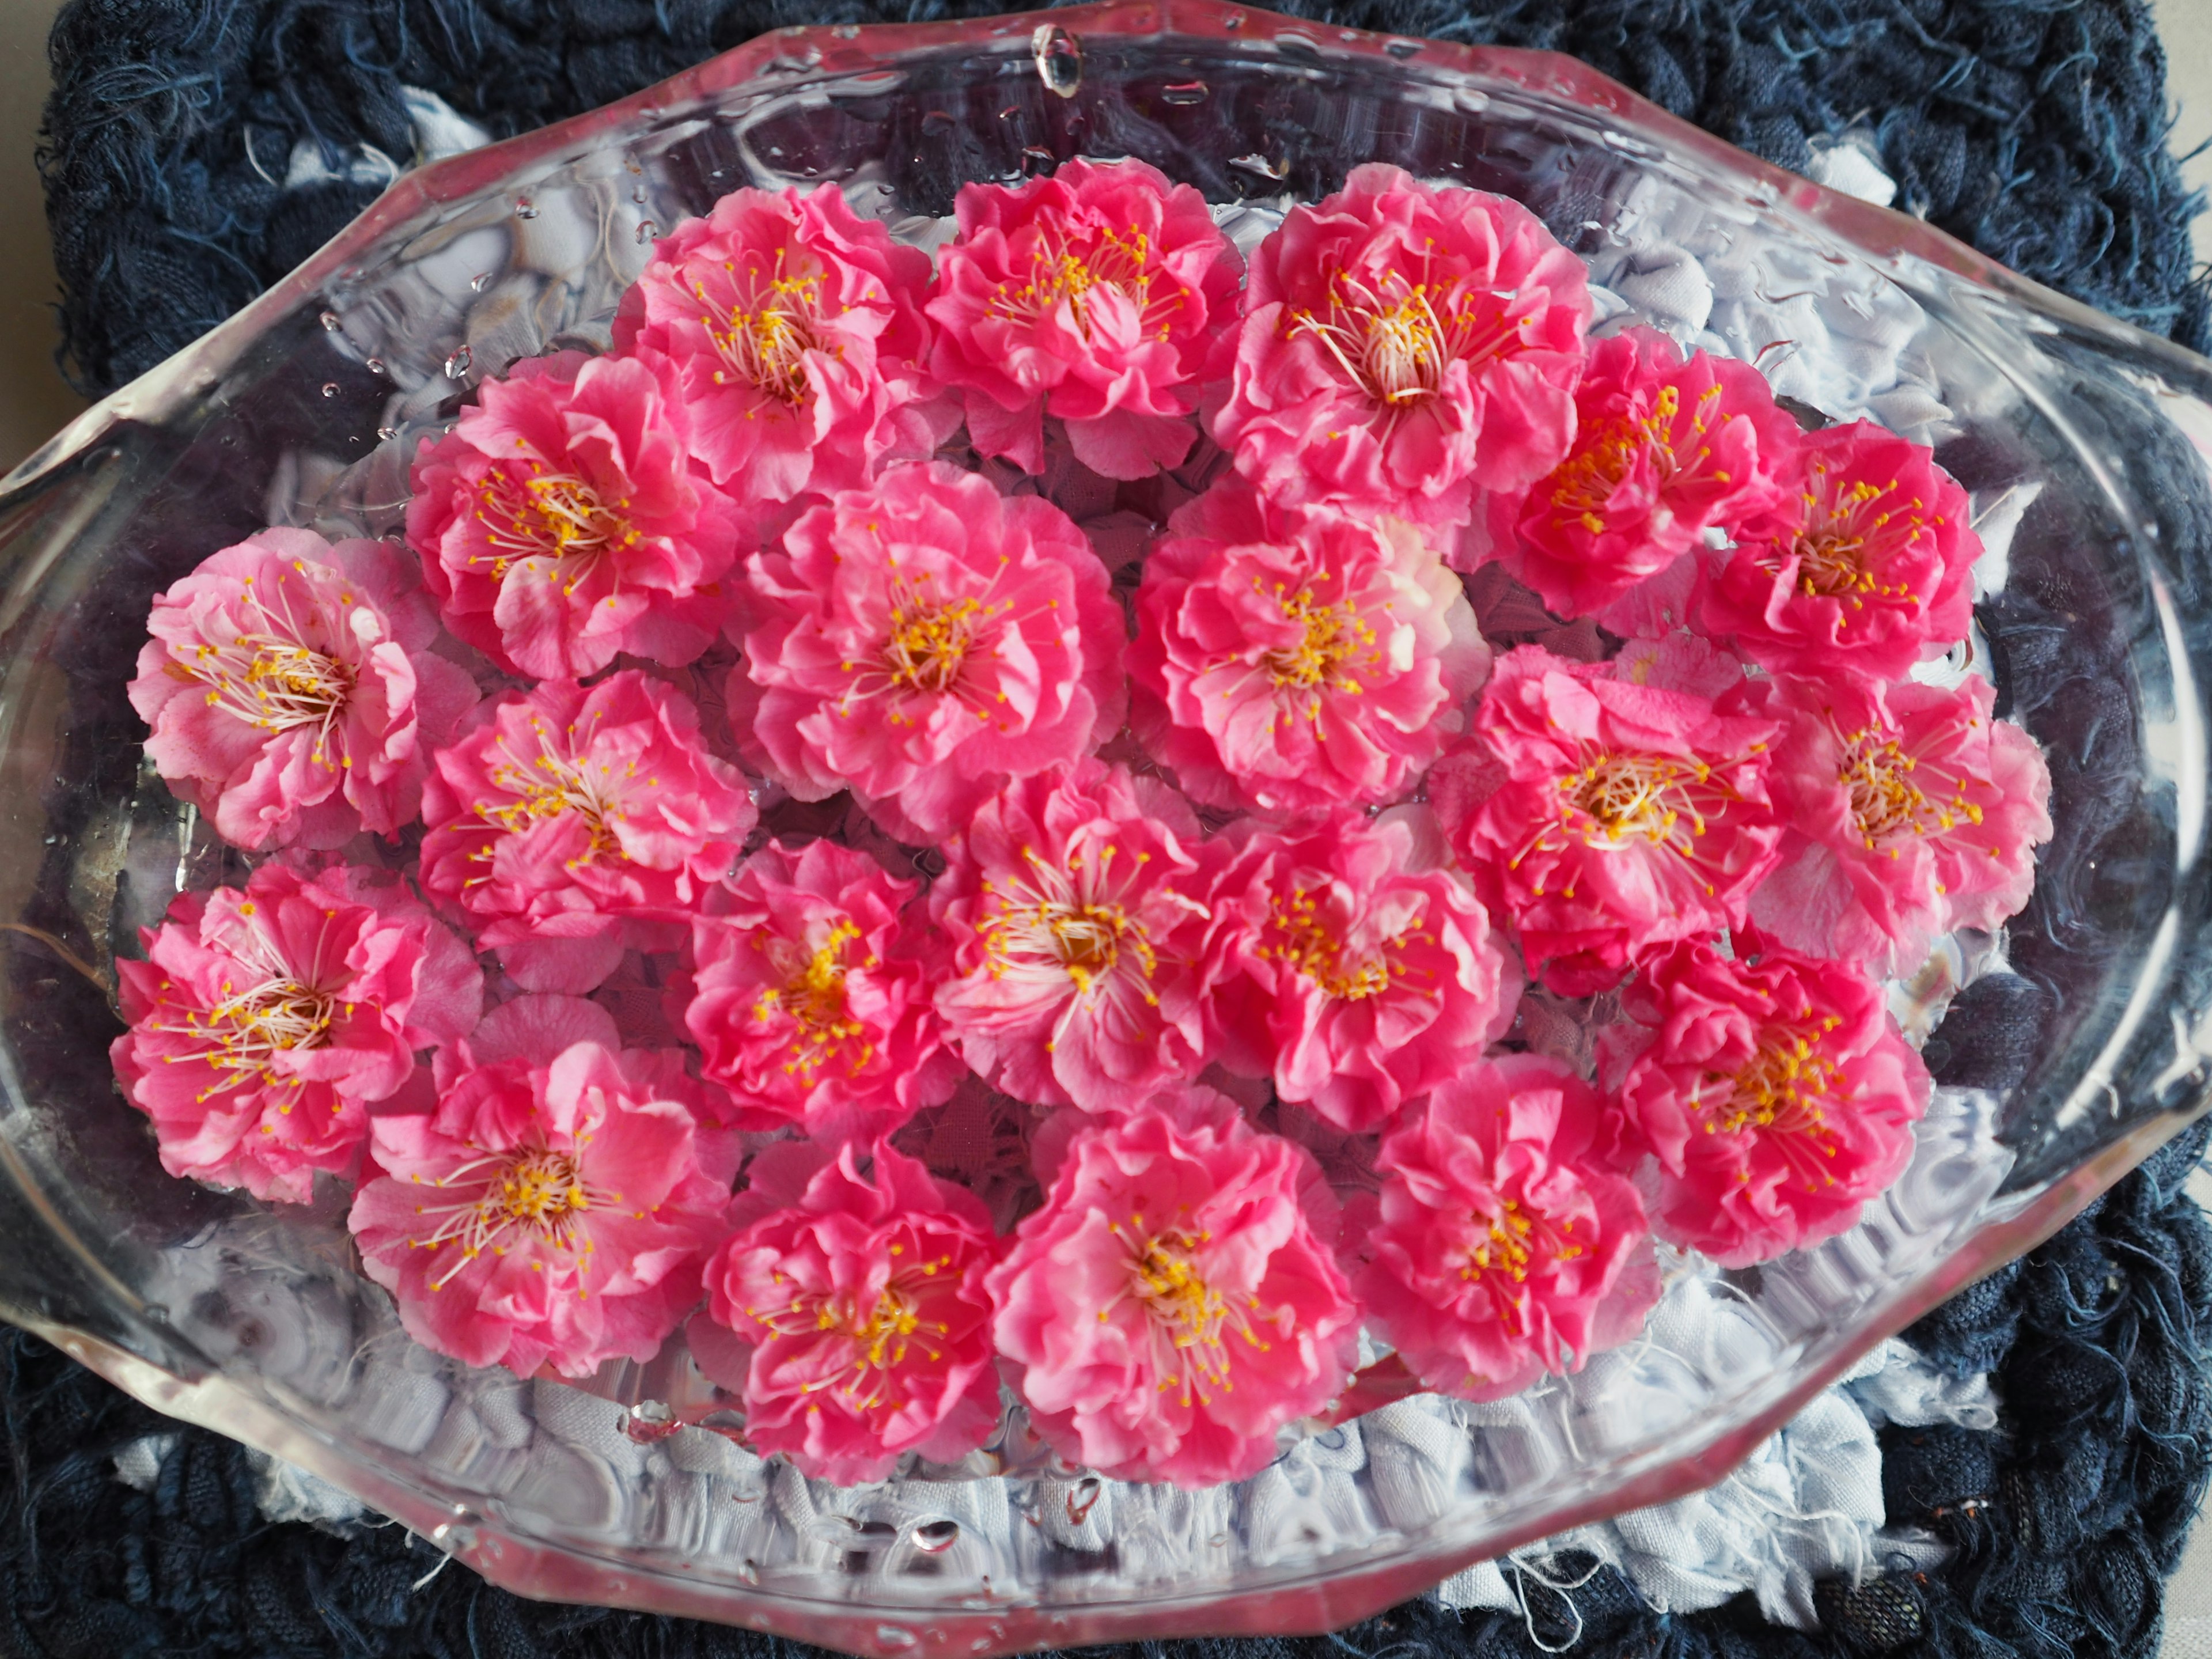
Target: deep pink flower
(568,817)
(1611,815)
(849,1312)
(1663,451)
(1401,344)
(1362,971)
(559,521)
(1862,567)
(1176,1301)
(1775,1089)
(264,1023)
(1287,659)
(566,1222)
(793,332)
(1504,1246)
(923,641)
(1101,295)
(291,690)
(1911,812)
(1076,907)
(810,1002)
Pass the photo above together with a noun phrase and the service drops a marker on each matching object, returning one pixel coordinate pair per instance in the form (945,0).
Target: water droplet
(526,209)
(1036,162)
(1402,48)
(1274,171)
(458,364)
(1218,1540)
(375,365)
(1623,143)
(937,121)
(894,1639)
(387,434)
(330,321)
(1010,112)
(935,1537)
(1188,92)
(1059,58)
(1234,21)
(1471,100)
(647,232)
(1297,41)
(637,194)
(846,32)
(329,388)
(480,282)
(646,1431)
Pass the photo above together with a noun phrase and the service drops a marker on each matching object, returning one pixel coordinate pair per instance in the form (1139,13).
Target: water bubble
(647,232)
(1299,42)
(1188,92)
(526,209)
(1059,58)
(330,321)
(329,388)
(1401,48)
(458,364)
(895,1638)
(846,32)
(387,434)
(1037,161)
(375,365)
(935,1537)
(480,282)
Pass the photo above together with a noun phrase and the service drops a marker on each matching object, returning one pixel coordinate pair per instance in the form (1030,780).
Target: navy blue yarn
(2033,128)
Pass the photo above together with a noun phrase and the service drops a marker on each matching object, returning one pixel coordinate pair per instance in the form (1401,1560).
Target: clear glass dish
(2067,1049)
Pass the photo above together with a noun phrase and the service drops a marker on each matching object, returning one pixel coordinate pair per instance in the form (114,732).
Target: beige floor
(34,401)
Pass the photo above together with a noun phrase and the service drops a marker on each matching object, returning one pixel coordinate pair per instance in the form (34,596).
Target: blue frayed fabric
(2034,129)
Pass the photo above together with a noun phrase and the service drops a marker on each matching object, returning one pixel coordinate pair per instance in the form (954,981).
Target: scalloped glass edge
(1351,1584)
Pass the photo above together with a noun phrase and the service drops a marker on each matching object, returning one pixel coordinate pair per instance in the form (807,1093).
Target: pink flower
(1663,451)
(1401,344)
(849,1311)
(924,641)
(1176,1303)
(559,522)
(292,692)
(1775,1089)
(1911,812)
(264,1024)
(1290,660)
(1098,295)
(1364,972)
(564,1220)
(1617,814)
(812,1004)
(567,817)
(1505,1247)
(794,334)
(1860,569)
(1076,907)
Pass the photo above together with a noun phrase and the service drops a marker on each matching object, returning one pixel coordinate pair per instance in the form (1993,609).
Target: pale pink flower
(849,1312)
(570,819)
(1076,907)
(567,1223)
(924,641)
(1664,450)
(264,1024)
(1607,815)
(1176,1301)
(560,522)
(1860,568)
(794,334)
(292,691)
(1361,971)
(1287,659)
(810,1003)
(1911,811)
(1402,343)
(1504,1245)
(1774,1088)
(1103,295)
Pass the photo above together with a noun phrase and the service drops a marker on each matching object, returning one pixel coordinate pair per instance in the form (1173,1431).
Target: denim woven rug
(199,149)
